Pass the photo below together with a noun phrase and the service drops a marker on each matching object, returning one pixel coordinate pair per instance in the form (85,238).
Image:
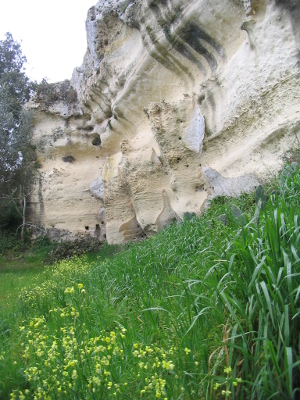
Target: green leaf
(202,312)
(268,300)
(256,272)
(288,367)
(273,356)
(286,325)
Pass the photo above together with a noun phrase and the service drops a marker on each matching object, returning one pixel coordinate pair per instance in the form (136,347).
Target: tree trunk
(23,219)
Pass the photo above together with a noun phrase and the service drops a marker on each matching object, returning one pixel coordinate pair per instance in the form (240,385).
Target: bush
(67,249)
(49,93)
(10,220)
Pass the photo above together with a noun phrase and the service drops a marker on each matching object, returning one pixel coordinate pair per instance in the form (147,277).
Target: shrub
(49,93)
(68,249)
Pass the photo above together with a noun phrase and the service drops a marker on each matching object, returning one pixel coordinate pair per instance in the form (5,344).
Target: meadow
(206,309)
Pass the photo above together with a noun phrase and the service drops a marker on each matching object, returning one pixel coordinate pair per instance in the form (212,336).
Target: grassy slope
(20,267)
(202,310)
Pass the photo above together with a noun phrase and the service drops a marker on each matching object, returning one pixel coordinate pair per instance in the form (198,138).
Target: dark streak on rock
(185,51)
(188,36)
(193,35)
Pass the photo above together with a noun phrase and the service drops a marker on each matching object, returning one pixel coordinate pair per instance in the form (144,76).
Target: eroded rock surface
(175,102)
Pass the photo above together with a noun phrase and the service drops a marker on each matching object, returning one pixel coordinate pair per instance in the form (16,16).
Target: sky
(51,33)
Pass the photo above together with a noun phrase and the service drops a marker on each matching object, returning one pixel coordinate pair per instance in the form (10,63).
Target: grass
(203,310)
(20,266)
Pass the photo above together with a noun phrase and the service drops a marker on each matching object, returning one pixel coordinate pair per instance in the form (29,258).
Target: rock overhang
(174,101)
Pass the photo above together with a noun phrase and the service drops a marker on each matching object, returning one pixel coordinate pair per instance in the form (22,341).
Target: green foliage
(14,84)
(10,220)
(259,292)
(203,310)
(7,242)
(67,249)
(293,155)
(19,255)
(49,93)
(17,154)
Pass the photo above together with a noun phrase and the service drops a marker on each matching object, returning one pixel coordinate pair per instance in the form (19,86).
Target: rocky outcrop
(175,102)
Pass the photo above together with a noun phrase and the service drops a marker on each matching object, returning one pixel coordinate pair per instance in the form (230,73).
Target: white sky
(51,33)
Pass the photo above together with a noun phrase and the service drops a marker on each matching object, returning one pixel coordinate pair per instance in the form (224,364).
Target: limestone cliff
(175,101)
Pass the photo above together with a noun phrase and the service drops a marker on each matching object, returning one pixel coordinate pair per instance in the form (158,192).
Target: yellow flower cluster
(38,293)
(68,311)
(155,384)
(64,359)
(69,362)
(69,290)
(227,382)
(60,363)
(154,364)
(70,268)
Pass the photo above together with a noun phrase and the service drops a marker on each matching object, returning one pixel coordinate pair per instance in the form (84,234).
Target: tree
(17,154)
(13,79)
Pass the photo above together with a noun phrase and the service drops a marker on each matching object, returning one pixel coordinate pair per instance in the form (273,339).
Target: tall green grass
(203,310)
(259,292)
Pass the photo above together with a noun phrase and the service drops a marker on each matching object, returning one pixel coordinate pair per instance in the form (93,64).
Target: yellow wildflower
(69,290)
(226,392)
(227,370)
(96,380)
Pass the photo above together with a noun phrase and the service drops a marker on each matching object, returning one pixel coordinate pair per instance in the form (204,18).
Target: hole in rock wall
(87,228)
(201,98)
(96,141)
(179,138)
(199,188)
(68,158)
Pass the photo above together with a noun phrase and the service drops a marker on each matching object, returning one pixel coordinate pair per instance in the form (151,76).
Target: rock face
(175,102)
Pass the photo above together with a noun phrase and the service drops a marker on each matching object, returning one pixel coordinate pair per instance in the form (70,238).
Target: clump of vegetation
(207,309)
(293,155)
(67,249)
(50,93)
